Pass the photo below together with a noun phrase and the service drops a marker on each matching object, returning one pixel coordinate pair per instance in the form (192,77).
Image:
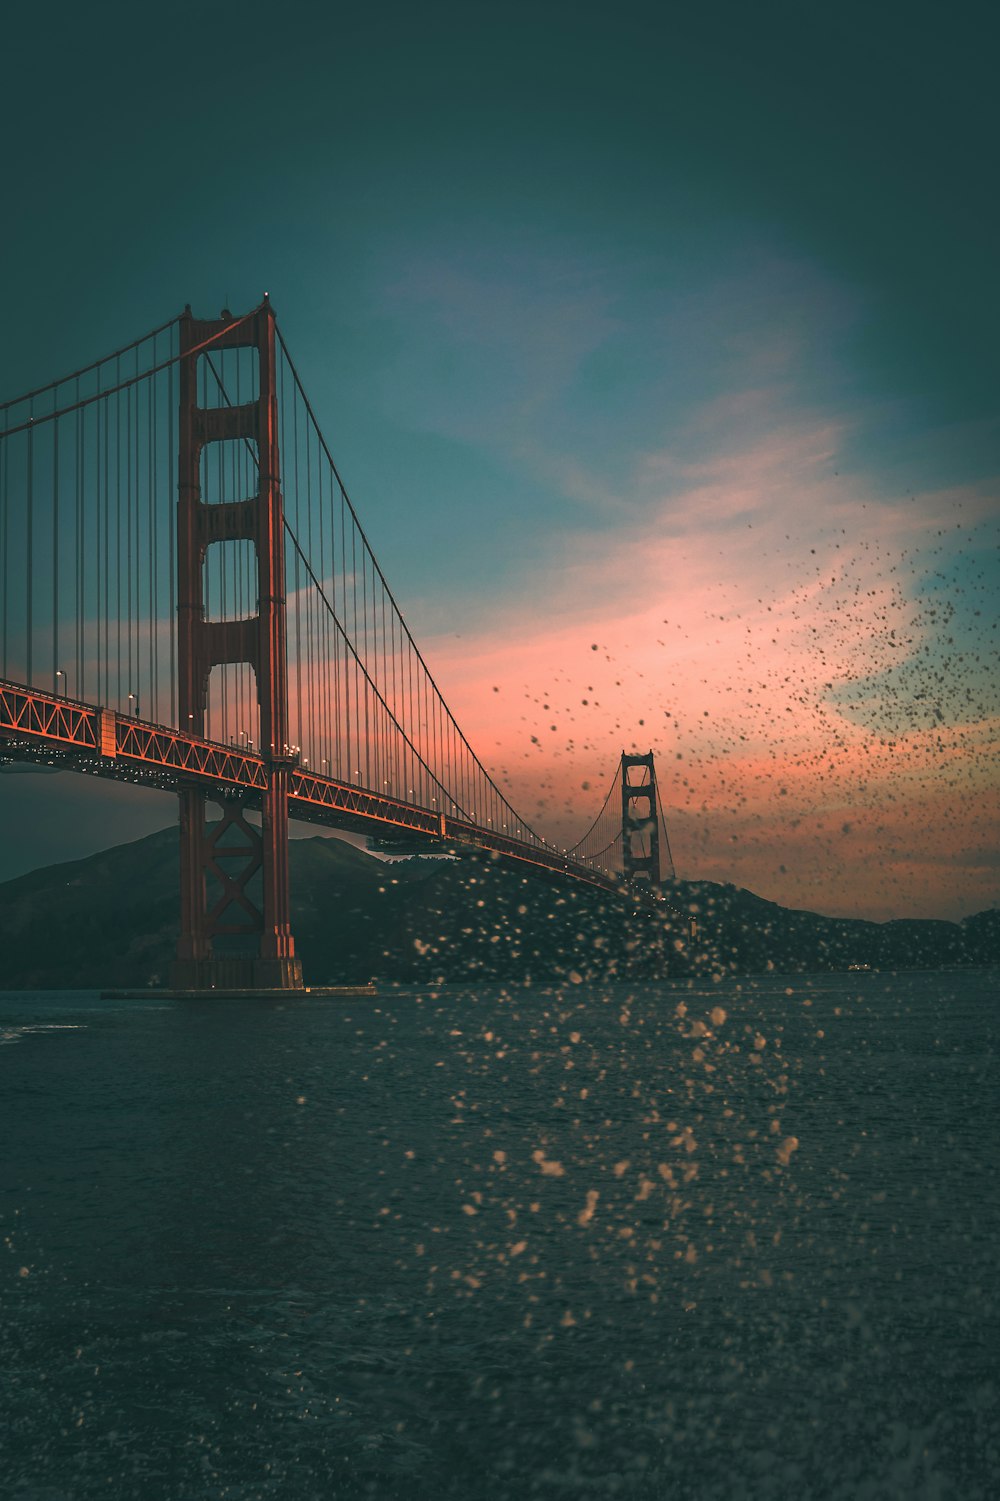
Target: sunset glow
(665,438)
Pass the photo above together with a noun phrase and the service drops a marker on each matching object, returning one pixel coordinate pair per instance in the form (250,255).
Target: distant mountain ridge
(111,920)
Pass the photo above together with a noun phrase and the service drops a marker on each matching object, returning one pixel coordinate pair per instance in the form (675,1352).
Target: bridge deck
(95,741)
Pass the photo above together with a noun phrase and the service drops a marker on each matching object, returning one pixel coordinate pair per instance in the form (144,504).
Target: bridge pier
(224,862)
(243,972)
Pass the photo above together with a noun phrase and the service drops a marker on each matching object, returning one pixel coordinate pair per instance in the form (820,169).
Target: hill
(111,920)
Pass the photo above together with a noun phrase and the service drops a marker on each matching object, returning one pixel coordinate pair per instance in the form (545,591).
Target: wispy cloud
(728,574)
(765,637)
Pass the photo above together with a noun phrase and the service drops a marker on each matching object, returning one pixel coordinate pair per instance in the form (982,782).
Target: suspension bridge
(189,601)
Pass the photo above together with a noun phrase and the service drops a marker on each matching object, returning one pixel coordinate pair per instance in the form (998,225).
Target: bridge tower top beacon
(640,820)
(213,850)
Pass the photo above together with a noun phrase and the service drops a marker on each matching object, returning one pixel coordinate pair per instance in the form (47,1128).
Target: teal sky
(656,317)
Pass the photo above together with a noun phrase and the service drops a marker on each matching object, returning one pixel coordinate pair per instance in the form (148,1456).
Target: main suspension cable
(86,369)
(132,380)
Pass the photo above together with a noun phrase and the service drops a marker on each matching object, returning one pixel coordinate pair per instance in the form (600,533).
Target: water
(504,1244)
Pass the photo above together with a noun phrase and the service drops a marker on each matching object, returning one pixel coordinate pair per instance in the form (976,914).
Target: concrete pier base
(247,973)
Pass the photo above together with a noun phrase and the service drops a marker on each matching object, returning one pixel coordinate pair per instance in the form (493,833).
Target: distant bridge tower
(640,821)
(220,860)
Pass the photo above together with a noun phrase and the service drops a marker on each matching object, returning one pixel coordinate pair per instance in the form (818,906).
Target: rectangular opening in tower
(228,471)
(230,580)
(639,839)
(228,377)
(232,713)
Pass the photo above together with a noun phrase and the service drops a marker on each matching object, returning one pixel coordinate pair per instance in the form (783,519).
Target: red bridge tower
(219,860)
(640,823)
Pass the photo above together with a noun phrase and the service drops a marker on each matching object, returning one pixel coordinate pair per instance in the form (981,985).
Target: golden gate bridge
(189,601)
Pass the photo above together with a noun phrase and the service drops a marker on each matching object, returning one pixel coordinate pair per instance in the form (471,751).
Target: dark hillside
(111,920)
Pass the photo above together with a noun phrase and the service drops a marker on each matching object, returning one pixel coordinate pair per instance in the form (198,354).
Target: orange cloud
(764,636)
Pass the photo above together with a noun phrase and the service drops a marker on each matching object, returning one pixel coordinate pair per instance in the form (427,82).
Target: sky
(657,350)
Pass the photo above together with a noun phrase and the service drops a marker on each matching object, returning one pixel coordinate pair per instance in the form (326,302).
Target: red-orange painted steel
(640,825)
(203,644)
(42,727)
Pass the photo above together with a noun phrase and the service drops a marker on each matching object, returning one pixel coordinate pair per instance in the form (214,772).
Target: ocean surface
(657,1242)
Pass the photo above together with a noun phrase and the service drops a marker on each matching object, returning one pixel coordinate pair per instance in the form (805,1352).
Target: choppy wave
(14,1034)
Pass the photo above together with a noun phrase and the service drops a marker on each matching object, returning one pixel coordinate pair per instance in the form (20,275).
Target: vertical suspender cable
(81,575)
(324,645)
(310,665)
(101,574)
(136,563)
(171,509)
(99,455)
(346,775)
(5,544)
(151,602)
(340,687)
(129,568)
(81,457)
(300,737)
(356,768)
(238,492)
(118,538)
(29,540)
(55,554)
(386,728)
(364,616)
(105,512)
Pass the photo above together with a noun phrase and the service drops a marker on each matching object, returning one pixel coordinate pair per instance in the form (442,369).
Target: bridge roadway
(82,737)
